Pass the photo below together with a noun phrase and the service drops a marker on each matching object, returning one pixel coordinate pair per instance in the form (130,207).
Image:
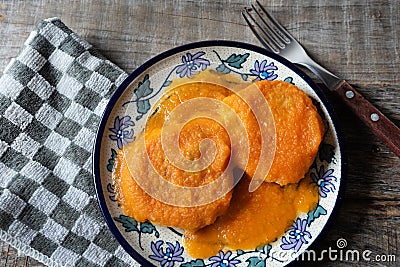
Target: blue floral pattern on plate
(192,64)
(170,256)
(264,71)
(224,260)
(120,134)
(325,181)
(298,236)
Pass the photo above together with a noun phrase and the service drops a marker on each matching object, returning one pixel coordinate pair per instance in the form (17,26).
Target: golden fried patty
(135,202)
(298,127)
(181,94)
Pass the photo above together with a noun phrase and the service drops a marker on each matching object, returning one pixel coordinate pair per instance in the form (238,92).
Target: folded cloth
(51,98)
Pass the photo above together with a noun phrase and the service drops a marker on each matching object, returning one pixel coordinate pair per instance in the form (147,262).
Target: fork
(278,40)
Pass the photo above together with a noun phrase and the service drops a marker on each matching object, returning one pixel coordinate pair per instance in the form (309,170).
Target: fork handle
(380,125)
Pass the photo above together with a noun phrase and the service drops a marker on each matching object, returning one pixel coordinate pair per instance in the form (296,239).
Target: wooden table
(356,39)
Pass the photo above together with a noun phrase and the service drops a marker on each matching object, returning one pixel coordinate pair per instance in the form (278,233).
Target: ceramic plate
(151,244)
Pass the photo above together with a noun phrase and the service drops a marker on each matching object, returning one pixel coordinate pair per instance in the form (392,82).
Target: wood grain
(358,40)
(11,257)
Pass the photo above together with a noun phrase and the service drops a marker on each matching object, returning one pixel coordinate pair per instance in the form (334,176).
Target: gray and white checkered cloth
(51,98)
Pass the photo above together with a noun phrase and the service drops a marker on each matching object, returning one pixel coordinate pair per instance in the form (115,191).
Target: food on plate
(135,202)
(298,127)
(253,219)
(182,93)
(238,218)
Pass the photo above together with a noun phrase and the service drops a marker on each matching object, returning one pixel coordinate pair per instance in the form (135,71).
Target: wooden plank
(365,225)
(10,257)
(4,248)
(357,39)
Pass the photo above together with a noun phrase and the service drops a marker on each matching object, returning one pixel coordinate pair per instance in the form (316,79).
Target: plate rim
(189,46)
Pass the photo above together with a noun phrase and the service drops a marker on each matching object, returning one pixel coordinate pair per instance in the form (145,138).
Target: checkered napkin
(51,98)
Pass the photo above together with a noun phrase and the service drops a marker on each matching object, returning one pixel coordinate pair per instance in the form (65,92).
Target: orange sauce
(253,219)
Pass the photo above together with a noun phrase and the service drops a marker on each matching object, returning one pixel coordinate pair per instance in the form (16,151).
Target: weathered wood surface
(356,39)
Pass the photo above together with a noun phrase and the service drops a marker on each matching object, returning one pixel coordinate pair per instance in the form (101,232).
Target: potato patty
(298,127)
(135,202)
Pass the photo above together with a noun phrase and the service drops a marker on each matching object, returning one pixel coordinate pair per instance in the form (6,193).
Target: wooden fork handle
(380,125)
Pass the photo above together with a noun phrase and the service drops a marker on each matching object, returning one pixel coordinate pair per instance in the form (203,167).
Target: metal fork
(278,40)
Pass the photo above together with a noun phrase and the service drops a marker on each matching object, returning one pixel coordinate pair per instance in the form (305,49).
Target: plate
(151,244)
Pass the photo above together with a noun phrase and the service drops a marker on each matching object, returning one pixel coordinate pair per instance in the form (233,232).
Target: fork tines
(266,28)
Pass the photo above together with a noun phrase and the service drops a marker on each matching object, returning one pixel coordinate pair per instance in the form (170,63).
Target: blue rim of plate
(223,43)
